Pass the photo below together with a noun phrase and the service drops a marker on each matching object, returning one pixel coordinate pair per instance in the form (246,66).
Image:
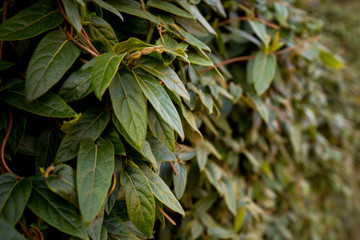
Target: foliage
(96,96)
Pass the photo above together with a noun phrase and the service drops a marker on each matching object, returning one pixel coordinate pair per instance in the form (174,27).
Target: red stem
(165,215)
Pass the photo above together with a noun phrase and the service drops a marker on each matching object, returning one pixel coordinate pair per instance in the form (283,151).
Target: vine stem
(113,186)
(165,215)
(6,2)
(80,45)
(173,167)
(4,144)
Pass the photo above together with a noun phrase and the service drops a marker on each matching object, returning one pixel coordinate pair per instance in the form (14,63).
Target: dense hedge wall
(173,120)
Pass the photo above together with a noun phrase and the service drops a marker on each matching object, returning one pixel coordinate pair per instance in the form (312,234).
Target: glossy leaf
(95,166)
(167,75)
(56,211)
(161,191)
(130,45)
(53,56)
(180,179)
(91,124)
(103,72)
(139,198)
(77,86)
(263,71)
(129,106)
(48,105)
(73,14)
(32,21)
(62,181)
(108,7)
(161,129)
(160,101)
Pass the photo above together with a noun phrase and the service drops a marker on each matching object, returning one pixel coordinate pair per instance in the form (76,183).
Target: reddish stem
(113,186)
(165,215)
(173,167)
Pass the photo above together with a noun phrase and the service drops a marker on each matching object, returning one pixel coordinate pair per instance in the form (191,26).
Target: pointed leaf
(130,45)
(48,105)
(160,129)
(77,86)
(179,179)
(117,228)
(62,181)
(95,166)
(160,151)
(167,75)
(161,102)
(56,211)
(11,233)
(91,124)
(32,21)
(53,56)
(5,64)
(73,14)
(95,228)
(104,70)
(229,195)
(129,106)
(139,198)
(169,7)
(263,71)
(260,30)
(108,7)
(161,191)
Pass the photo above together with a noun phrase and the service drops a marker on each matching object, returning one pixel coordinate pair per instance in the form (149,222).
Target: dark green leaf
(139,198)
(161,102)
(5,64)
(77,86)
(32,21)
(111,200)
(117,228)
(160,151)
(53,56)
(114,138)
(161,129)
(91,124)
(95,228)
(48,105)
(56,211)
(161,191)
(95,166)
(130,45)
(169,7)
(103,72)
(62,181)
(179,179)
(108,7)
(11,233)
(73,14)
(129,106)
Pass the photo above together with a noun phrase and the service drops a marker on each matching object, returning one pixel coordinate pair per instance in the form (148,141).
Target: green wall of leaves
(120,119)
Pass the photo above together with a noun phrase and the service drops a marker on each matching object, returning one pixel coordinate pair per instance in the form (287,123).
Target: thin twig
(298,45)
(173,167)
(6,2)
(87,39)
(113,186)
(4,144)
(37,233)
(143,6)
(81,46)
(25,230)
(165,215)
(160,33)
(178,145)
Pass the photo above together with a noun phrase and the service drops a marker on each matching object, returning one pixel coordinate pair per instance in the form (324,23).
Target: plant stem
(165,215)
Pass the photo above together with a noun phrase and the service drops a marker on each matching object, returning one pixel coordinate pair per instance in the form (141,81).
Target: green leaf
(5,64)
(132,10)
(161,102)
(139,198)
(161,191)
(169,7)
(16,195)
(220,232)
(117,228)
(160,151)
(111,200)
(167,75)
(239,219)
(197,56)
(130,45)
(53,56)
(214,174)
(77,86)
(191,119)
(281,13)
(103,72)
(129,106)
(91,124)
(260,31)
(196,229)
(95,228)
(108,7)
(101,33)
(263,71)
(229,195)
(193,41)
(180,179)
(32,21)
(11,233)
(161,129)
(46,147)
(56,211)
(73,14)
(330,59)
(201,156)
(48,105)
(62,181)
(114,138)
(95,166)
(205,203)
